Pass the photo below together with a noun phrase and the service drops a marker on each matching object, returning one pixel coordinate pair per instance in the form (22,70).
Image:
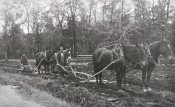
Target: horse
(132,54)
(62,57)
(44,58)
(157,48)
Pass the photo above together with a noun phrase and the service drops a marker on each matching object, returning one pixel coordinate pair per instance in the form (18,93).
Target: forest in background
(31,26)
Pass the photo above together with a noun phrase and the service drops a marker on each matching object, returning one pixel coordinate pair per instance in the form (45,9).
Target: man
(24,62)
(61,60)
(62,56)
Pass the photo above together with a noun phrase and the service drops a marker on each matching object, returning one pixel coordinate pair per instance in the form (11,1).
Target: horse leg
(45,68)
(52,67)
(48,67)
(96,78)
(118,78)
(39,69)
(148,78)
(123,74)
(61,72)
(143,80)
(100,78)
(96,69)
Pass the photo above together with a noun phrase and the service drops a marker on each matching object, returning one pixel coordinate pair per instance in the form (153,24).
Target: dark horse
(132,53)
(157,48)
(61,57)
(44,58)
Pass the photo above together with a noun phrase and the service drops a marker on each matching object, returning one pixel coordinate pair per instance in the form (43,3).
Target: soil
(131,95)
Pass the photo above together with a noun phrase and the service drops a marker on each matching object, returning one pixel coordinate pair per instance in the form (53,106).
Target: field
(73,91)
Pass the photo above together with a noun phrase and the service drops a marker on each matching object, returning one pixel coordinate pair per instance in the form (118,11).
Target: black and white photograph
(87,53)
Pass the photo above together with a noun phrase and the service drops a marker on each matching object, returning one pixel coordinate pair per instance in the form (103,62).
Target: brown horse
(157,48)
(44,58)
(134,54)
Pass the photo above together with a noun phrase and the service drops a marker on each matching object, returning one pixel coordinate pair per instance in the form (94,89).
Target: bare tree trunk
(95,13)
(6,55)
(121,16)
(104,5)
(122,7)
(74,37)
(153,10)
(112,12)
(167,13)
(90,9)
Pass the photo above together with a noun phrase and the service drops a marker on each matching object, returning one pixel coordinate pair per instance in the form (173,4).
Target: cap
(61,48)
(23,55)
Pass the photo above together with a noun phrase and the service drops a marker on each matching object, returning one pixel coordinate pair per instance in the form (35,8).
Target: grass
(30,92)
(47,91)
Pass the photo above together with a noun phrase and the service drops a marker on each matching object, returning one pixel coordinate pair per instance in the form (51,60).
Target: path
(10,98)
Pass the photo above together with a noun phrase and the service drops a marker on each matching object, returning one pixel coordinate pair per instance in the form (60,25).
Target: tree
(73,6)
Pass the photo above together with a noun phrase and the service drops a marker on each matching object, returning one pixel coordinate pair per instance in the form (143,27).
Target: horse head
(142,55)
(135,54)
(165,49)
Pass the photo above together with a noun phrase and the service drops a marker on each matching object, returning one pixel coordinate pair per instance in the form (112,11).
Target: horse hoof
(144,90)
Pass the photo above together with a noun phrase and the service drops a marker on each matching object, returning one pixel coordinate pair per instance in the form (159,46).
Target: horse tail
(37,59)
(37,55)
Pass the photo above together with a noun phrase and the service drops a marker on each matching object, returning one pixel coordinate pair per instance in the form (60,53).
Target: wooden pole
(111,79)
(103,69)
(63,68)
(132,74)
(108,75)
(73,71)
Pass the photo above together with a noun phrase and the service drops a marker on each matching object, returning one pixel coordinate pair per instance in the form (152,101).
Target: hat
(61,48)
(23,55)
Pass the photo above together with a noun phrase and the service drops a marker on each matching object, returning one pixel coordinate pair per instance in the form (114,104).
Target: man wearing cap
(60,59)
(62,56)
(24,62)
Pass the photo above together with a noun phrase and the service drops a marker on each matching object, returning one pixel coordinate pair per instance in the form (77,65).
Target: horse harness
(129,64)
(44,54)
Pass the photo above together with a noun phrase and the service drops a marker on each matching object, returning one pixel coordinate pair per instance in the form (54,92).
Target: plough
(88,77)
(80,75)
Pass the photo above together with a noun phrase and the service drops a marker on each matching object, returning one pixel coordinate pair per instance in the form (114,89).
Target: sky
(2,6)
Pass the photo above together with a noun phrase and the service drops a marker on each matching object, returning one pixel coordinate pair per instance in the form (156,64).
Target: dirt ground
(162,84)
